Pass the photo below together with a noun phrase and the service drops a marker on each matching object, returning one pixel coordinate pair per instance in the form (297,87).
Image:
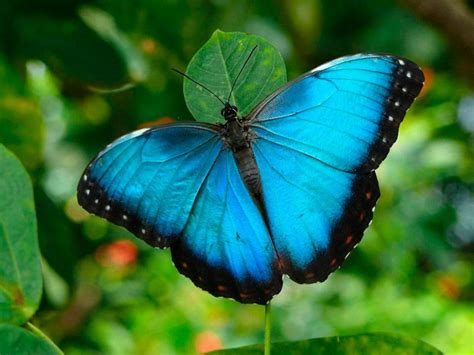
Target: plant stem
(38,332)
(268,328)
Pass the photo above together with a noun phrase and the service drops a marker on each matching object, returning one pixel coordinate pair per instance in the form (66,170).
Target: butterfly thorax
(237,135)
(235,132)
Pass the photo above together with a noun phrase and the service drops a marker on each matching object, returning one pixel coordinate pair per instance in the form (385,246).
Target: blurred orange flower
(119,253)
(207,341)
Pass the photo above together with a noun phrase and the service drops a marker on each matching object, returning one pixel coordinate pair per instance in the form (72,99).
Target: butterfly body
(288,189)
(237,135)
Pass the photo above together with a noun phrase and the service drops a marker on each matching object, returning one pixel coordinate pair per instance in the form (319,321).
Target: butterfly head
(229,112)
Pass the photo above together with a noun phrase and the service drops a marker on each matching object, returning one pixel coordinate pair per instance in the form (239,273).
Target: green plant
(20,266)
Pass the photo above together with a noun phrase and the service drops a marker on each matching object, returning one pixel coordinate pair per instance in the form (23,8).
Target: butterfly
(287,190)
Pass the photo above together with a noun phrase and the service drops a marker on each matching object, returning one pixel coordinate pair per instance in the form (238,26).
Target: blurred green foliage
(370,344)
(76,74)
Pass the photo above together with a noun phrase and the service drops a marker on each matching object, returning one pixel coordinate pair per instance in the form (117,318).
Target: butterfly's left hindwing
(316,213)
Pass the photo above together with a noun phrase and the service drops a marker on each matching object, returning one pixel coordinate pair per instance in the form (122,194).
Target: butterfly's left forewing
(317,142)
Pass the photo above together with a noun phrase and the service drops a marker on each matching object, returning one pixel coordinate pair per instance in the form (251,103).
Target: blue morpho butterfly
(288,189)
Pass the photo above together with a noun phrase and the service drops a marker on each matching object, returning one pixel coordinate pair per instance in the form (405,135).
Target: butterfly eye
(223,111)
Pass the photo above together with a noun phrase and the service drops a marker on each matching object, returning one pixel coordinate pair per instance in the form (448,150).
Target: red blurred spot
(207,341)
(160,121)
(118,253)
(448,286)
(429,77)
(148,45)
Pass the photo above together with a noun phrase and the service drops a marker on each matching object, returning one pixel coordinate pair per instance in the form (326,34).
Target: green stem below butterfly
(268,328)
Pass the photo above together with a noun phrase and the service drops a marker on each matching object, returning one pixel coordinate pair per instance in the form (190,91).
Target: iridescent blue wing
(233,255)
(316,213)
(148,180)
(178,186)
(318,141)
(345,113)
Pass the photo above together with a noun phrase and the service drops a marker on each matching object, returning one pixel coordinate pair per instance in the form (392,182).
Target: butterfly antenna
(240,72)
(198,84)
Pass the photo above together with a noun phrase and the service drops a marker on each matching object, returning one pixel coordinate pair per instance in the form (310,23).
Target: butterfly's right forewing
(147,181)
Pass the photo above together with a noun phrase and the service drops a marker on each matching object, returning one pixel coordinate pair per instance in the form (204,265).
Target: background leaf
(217,64)
(20,270)
(21,123)
(355,344)
(15,340)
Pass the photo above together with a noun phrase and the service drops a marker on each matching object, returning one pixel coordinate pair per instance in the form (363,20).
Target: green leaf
(377,343)
(217,64)
(20,268)
(15,340)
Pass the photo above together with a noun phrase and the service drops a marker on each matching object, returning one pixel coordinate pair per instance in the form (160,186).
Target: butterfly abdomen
(249,171)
